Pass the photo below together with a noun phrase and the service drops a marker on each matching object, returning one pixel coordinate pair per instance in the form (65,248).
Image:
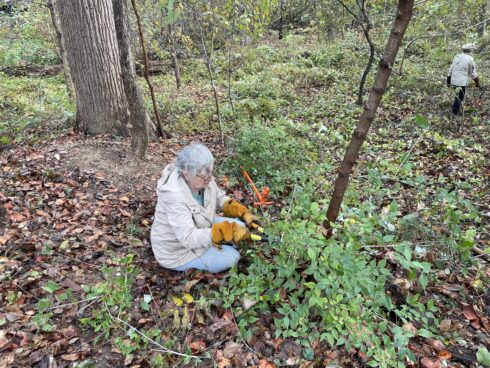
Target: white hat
(468,46)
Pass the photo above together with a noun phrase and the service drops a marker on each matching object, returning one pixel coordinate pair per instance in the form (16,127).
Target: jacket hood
(164,179)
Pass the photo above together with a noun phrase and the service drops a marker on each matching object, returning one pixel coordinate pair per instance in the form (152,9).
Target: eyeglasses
(205,178)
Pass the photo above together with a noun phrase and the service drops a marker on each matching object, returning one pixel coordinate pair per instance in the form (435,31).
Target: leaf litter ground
(72,206)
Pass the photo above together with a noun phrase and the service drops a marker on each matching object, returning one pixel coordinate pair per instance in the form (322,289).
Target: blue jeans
(215,260)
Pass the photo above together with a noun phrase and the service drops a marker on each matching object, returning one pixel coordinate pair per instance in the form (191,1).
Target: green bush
(271,154)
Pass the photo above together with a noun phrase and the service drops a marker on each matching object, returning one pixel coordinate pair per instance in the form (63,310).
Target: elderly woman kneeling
(186,232)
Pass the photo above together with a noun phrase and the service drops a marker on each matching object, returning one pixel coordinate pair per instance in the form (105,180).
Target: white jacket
(462,68)
(181,230)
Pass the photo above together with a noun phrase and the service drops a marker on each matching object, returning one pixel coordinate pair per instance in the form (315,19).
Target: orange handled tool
(261,196)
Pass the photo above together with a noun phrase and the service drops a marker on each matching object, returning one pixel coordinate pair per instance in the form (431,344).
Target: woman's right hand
(227,232)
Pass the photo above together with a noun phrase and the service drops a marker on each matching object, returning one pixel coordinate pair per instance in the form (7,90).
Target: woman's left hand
(235,209)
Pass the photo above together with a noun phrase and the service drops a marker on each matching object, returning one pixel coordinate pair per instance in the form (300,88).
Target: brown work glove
(235,209)
(477,82)
(227,232)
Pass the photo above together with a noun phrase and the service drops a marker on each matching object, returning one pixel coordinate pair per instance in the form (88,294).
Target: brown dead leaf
(4,239)
(410,327)
(476,324)
(444,355)
(124,199)
(469,313)
(231,349)
(363,356)
(197,346)
(69,332)
(437,345)
(42,213)
(238,194)
(264,363)
(486,323)
(71,357)
(69,283)
(225,182)
(17,217)
(60,202)
(222,361)
(26,339)
(90,239)
(427,362)
(124,213)
(188,286)
(445,325)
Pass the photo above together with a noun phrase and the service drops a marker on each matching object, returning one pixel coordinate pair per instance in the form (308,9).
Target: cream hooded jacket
(462,68)
(181,230)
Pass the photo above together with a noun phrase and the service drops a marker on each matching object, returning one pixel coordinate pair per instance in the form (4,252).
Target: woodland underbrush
(414,212)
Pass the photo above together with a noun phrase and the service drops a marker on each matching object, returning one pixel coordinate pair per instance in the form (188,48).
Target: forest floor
(79,282)
(76,206)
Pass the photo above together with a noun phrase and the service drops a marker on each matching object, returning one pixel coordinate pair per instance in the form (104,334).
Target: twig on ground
(164,349)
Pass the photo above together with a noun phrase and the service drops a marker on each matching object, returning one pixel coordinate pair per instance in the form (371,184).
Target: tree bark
(161,131)
(138,116)
(92,52)
(62,53)
(173,50)
(402,19)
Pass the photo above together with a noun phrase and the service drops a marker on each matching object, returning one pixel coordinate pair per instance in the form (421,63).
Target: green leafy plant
(113,296)
(271,154)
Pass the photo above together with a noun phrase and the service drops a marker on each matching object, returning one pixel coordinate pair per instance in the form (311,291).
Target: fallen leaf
(248,303)
(445,325)
(190,284)
(197,346)
(177,301)
(188,298)
(469,313)
(264,363)
(4,239)
(231,349)
(17,217)
(436,344)
(128,360)
(427,362)
(292,361)
(238,194)
(444,355)
(222,361)
(124,213)
(69,332)
(410,327)
(69,283)
(71,357)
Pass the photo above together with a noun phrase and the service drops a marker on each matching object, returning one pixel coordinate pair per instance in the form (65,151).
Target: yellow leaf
(186,320)
(176,319)
(177,301)
(188,298)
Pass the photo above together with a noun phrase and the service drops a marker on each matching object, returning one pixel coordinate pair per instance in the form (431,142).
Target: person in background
(186,233)
(462,68)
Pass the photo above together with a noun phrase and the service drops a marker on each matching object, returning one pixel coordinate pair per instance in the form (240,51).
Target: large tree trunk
(138,116)
(62,53)
(91,47)
(403,16)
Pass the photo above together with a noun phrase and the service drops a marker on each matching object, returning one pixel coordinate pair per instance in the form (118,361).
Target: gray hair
(193,158)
